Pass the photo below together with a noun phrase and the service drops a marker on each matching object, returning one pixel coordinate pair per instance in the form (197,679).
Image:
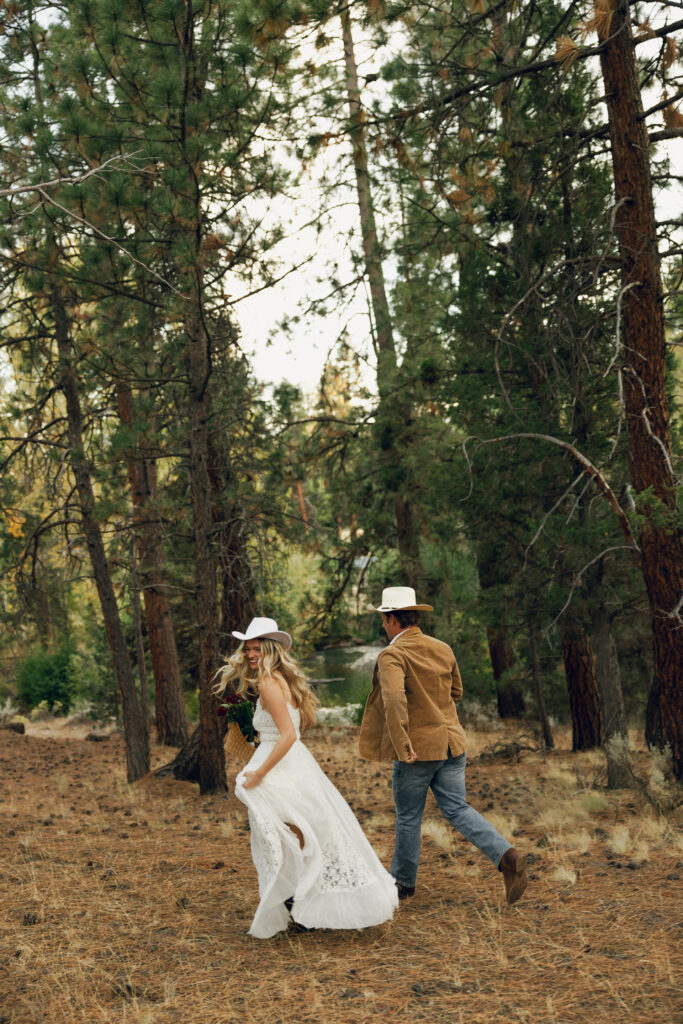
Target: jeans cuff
(502,855)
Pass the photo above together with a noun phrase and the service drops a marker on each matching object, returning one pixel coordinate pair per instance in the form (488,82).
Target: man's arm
(456,682)
(392,684)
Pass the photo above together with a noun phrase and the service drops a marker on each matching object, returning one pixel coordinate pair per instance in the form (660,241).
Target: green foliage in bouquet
(239,709)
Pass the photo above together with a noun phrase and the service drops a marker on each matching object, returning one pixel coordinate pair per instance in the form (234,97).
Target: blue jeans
(446,779)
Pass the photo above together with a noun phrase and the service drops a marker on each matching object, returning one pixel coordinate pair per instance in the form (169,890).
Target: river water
(346,671)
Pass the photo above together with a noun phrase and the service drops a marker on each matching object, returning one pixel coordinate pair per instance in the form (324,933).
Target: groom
(410,718)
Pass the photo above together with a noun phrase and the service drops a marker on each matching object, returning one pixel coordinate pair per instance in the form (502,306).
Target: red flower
(228,699)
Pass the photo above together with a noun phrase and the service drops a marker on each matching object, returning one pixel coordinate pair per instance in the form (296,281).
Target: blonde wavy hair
(237,677)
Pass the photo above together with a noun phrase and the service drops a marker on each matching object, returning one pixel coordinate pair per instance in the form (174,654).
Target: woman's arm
(273,700)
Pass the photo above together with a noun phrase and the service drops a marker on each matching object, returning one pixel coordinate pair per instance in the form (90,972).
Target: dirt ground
(130,904)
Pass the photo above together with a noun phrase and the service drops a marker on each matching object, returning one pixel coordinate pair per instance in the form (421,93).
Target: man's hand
(412,757)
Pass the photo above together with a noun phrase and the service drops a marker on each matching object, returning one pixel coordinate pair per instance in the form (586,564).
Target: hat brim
(404,608)
(280,637)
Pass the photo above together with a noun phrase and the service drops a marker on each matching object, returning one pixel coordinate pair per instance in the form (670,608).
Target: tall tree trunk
(582,685)
(238,592)
(134,717)
(644,373)
(190,225)
(394,413)
(135,726)
(171,717)
(238,602)
(36,594)
(211,755)
(185,765)
(238,607)
(612,699)
(137,624)
(546,731)
(509,696)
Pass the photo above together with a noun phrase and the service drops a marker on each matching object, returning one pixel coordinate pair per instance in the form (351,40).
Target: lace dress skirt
(336,880)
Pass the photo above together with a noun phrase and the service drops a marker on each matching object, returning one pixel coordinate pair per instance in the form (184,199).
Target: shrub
(94,691)
(47,677)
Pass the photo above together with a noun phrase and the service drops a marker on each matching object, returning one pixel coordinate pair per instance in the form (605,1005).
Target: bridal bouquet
(241,711)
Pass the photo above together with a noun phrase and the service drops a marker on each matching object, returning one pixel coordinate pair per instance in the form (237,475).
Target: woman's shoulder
(274,684)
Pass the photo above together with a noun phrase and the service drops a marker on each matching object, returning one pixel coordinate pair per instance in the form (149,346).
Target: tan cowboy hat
(401,599)
(265,629)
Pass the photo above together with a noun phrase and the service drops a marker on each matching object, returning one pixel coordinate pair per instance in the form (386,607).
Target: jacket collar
(409,633)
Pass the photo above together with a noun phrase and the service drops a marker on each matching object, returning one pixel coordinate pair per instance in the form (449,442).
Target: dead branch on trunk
(589,469)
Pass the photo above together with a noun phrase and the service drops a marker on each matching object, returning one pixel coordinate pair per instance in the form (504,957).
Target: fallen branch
(511,749)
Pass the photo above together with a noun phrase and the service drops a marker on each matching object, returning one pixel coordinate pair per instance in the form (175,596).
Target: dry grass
(129,904)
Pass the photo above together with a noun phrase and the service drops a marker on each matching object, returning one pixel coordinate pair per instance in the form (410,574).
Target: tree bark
(185,765)
(644,374)
(137,624)
(135,729)
(608,675)
(238,606)
(211,755)
(582,685)
(394,412)
(135,726)
(171,717)
(238,600)
(238,590)
(546,731)
(190,226)
(509,696)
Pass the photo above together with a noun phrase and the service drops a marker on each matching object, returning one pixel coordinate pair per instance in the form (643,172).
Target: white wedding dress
(336,880)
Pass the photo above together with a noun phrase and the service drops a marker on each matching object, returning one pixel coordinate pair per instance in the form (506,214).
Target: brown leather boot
(294,928)
(513,866)
(405,891)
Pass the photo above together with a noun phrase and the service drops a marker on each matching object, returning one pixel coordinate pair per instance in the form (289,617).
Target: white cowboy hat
(265,629)
(401,599)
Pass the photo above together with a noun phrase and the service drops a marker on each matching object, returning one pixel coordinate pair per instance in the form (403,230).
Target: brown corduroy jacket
(415,684)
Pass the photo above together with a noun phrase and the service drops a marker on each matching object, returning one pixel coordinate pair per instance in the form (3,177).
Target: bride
(315,866)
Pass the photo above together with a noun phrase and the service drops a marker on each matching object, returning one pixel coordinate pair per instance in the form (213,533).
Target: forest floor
(131,904)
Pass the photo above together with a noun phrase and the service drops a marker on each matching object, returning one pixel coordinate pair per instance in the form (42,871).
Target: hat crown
(258,626)
(261,627)
(398,597)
